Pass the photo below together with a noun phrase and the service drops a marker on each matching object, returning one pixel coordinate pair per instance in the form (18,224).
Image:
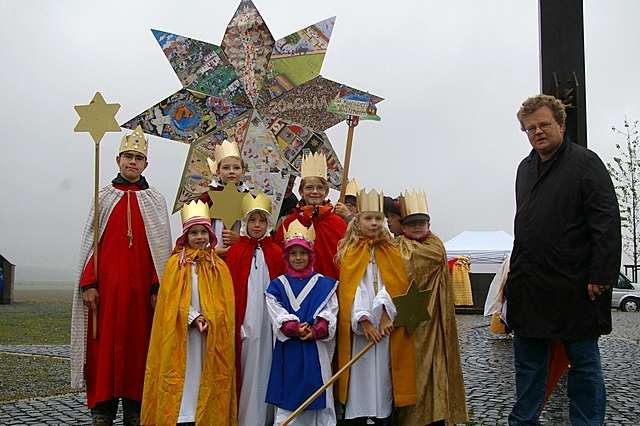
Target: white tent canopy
(486,249)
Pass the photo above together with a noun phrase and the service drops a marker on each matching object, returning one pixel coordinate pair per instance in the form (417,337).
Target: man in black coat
(566,256)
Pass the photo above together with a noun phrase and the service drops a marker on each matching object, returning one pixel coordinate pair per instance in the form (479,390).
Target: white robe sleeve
(360,308)
(383,300)
(330,313)
(193,314)
(278,316)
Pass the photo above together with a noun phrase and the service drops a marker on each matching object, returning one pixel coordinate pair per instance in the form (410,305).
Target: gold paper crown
(413,202)
(134,142)
(314,165)
(370,201)
(222,151)
(352,188)
(260,202)
(194,209)
(298,230)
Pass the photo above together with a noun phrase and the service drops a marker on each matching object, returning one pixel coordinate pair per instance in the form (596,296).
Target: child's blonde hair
(353,235)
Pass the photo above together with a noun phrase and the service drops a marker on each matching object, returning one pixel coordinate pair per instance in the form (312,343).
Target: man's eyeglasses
(533,129)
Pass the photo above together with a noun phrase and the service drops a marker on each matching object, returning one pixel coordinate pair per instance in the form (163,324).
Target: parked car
(626,295)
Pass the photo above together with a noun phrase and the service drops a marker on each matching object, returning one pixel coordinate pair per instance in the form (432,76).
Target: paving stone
(489,375)
(61,351)
(487,362)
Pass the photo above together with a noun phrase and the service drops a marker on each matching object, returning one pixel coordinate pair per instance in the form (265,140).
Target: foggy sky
(453,75)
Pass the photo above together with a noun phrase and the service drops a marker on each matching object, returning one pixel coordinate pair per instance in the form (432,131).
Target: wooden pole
(96,230)
(352,122)
(335,377)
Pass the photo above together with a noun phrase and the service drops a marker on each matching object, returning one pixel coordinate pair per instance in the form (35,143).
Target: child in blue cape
(303,308)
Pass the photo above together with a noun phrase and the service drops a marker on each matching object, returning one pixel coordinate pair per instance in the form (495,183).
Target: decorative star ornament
(97,118)
(265,94)
(412,308)
(227,205)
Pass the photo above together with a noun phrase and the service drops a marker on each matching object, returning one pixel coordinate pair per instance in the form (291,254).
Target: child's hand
(91,298)
(201,324)
(386,325)
(229,237)
(304,331)
(342,211)
(370,331)
(222,251)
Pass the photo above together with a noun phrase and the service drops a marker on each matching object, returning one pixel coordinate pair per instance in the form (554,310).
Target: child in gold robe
(190,372)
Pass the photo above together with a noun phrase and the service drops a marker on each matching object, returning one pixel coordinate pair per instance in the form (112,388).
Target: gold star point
(97,118)
(412,308)
(227,205)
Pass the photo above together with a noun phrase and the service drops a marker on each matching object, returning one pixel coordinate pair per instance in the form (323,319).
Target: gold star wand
(227,205)
(412,310)
(97,118)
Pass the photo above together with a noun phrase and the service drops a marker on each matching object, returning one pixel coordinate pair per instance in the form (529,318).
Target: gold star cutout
(412,308)
(97,118)
(227,205)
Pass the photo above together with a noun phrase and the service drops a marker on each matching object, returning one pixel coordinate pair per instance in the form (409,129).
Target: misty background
(453,75)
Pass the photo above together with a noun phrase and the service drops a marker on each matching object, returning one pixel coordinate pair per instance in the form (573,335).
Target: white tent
(486,249)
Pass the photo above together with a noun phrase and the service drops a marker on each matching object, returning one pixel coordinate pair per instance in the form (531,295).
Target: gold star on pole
(227,205)
(97,118)
(412,308)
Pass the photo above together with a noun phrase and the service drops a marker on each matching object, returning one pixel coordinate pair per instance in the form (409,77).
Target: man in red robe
(135,242)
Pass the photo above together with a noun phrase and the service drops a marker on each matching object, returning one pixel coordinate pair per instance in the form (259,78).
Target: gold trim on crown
(222,151)
(298,230)
(314,165)
(352,188)
(413,202)
(194,209)
(134,142)
(370,201)
(259,202)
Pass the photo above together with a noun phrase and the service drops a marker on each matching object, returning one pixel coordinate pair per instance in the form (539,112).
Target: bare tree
(625,173)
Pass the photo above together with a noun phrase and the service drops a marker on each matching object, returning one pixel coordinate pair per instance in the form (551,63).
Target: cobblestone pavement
(488,372)
(489,375)
(58,410)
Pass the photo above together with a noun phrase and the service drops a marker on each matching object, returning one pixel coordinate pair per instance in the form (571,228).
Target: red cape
(239,259)
(115,361)
(329,228)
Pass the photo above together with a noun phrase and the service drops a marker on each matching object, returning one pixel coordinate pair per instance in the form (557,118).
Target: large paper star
(412,308)
(97,118)
(265,94)
(227,205)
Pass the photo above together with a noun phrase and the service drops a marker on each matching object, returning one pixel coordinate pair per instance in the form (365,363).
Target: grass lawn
(32,376)
(37,317)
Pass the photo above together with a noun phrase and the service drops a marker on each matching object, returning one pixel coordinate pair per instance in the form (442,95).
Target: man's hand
(370,331)
(154,299)
(229,237)
(201,324)
(91,298)
(596,290)
(386,325)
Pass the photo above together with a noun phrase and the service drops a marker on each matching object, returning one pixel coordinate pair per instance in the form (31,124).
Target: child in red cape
(254,261)
(314,209)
